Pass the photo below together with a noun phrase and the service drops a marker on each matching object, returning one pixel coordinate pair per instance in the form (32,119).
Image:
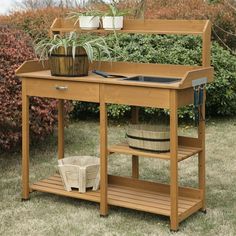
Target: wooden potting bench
(130,192)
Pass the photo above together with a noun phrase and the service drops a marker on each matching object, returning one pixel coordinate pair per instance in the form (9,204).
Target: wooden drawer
(137,96)
(81,91)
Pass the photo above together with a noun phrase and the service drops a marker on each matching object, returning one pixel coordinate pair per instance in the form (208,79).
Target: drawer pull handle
(61,88)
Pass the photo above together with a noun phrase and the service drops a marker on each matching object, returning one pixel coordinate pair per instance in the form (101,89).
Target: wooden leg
(135,159)
(135,166)
(201,155)
(103,156)
(60,129)
(25,144)
(201,176)
(174,161)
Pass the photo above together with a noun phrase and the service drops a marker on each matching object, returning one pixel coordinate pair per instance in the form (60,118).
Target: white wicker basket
(80,172)
(149,137)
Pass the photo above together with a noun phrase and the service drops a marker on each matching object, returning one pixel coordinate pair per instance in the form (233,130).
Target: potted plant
(88,20)
(70,55)
(113,18)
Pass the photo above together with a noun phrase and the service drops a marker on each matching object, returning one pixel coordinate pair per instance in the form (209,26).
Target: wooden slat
(56,23)
(54,189)
(53,182)
(32,65)
(204,72)
(194,27)
(183,153)
(125,149)
(145,202)
(49,184)
(185,202)
(190,193)
(131,205)
(206,45)
(190,211)
(152,69)
(128,31)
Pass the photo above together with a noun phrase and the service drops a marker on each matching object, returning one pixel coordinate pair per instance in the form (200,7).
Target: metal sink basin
(150,79)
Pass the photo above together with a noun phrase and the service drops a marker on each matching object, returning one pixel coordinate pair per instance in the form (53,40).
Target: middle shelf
(184,152)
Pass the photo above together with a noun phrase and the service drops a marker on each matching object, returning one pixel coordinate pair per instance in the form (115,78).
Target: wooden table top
(34,69)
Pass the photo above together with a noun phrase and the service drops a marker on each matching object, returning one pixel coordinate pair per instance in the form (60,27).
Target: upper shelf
(181,27)
(185,27)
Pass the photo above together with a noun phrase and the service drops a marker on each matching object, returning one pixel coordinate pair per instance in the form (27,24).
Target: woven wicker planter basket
(80,172)
(149,137)
(63,64)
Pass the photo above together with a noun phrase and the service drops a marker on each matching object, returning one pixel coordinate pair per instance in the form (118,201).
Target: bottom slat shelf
(157,202)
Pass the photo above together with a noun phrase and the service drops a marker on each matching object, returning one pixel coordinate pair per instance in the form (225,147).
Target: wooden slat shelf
(134,198)
(128,31)
(184,152)
(156,26)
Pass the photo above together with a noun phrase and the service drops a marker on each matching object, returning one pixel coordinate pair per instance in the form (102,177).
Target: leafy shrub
(221,94)
(220,12)
(14,50)
(83,110)
(36,23)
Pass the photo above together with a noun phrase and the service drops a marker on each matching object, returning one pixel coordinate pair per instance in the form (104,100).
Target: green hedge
(221,94)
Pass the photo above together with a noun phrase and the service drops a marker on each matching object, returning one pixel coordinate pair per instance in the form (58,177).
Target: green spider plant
(94,46)
(86,12)
(114,11)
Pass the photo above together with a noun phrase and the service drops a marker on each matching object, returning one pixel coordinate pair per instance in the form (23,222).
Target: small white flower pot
(89,22)
(112,22)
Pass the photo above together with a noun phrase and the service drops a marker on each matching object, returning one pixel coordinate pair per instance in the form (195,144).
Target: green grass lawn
(47,214)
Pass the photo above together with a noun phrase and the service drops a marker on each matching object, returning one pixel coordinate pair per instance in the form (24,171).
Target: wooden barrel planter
(149,137)
(63,64)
